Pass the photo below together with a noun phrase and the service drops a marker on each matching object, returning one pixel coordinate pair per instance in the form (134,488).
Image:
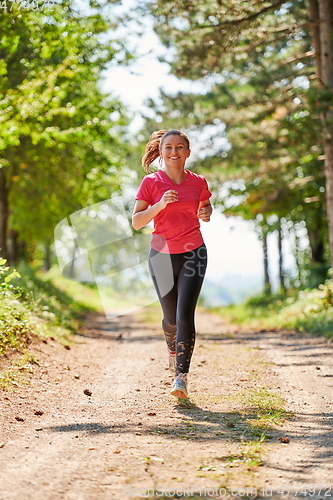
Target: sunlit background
(235,270)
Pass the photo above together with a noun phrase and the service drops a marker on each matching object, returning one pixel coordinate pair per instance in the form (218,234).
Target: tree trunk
(13,248)
(281,273)
(47,257)
(315,34)
(267,284)
(297,258)
(317,247)
(3,214)
(326,79)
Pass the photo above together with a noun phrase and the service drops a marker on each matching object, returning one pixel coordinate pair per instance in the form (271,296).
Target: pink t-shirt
(176,227)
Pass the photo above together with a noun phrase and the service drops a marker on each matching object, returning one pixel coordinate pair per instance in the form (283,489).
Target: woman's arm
(205,210)
(143,213)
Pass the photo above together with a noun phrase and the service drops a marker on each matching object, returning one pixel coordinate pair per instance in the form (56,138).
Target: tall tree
(60,138)
(325,72)
(258,59)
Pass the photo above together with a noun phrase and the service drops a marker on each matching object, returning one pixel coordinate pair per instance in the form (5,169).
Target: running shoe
(179,387)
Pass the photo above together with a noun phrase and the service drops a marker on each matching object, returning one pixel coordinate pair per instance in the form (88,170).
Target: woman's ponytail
(152,149)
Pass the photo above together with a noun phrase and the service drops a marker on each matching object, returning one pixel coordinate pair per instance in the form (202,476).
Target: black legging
(178,282)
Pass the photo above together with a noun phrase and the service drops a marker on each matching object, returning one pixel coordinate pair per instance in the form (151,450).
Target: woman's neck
(176,175)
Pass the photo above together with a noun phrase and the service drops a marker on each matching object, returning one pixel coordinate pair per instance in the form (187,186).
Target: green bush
(15,327)
(309,310)
(32,305)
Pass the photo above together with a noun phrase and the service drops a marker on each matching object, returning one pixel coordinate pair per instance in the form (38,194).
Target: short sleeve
(145,191)
(205,193)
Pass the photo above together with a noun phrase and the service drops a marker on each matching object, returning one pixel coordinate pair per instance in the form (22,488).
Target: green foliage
(275,301)
(19,373)
(309,310)
(61,138)
(270,407)
(15,327)
(256,65)
(31,305)
(47,301)
(6,276)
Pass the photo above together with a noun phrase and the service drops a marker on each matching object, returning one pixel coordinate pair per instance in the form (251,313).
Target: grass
(87,296)
(151,315)
(51,292)
(309,311)
(37,305)
(19,373)
(250,456)
(269,408)
(252,428)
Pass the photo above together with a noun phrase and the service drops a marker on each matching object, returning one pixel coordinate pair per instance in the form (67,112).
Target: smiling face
(174,150)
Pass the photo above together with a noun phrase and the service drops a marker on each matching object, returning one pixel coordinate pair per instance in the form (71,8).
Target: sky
(233,246)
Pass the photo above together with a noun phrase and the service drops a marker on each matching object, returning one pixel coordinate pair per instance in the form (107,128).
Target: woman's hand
(169,196)
(143,213)
(204,212)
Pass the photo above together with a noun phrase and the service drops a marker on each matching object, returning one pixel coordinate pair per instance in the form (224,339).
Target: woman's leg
(179,303)
(190,281)
(168,300)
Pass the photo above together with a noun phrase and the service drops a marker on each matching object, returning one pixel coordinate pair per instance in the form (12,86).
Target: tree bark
(326,79)
(4,213)
(297,257)
(281,273)
(317,247)
(47,257)
(267,284)
(315,34)
(13,248)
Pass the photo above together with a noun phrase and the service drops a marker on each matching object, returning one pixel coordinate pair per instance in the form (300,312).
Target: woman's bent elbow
(136,225)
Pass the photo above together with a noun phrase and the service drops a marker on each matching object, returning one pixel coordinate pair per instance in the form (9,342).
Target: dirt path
(97,421)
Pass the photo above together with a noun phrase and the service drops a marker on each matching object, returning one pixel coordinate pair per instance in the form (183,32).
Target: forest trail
(97,421)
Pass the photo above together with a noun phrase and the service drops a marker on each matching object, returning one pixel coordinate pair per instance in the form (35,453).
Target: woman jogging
(175,199)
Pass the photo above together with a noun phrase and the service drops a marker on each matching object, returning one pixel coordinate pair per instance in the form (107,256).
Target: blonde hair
(154,144)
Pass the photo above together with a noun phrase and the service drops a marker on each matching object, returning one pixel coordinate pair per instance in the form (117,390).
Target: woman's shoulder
(149,178)
(195,177)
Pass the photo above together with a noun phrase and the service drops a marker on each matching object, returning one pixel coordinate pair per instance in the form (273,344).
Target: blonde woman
(175,199)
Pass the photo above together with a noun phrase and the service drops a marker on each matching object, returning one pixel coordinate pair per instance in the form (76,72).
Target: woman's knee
(185,320)
(169,325)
